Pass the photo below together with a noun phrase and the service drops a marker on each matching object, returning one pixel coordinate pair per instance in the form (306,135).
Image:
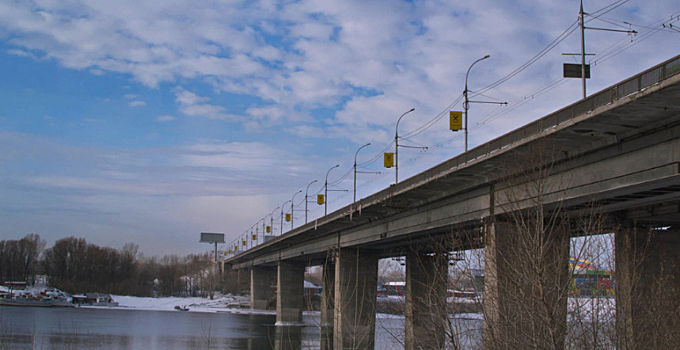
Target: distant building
(392,288)
(589,279)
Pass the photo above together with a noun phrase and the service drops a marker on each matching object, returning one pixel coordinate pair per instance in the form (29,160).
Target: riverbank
(221,303)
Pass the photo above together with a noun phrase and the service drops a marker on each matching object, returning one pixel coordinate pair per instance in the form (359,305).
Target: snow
(221,303)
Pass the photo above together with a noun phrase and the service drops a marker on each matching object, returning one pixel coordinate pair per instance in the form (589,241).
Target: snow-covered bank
(221,303)
(579,308)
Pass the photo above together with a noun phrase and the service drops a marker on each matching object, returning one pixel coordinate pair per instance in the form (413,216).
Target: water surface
(89,328)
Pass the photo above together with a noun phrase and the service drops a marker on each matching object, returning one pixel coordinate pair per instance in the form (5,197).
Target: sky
(150,121)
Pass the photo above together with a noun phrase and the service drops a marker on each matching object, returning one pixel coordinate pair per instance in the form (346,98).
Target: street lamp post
(264,223)
(257,234)
(306,201)
(271,223)
(283,206)
(292,212)
(325,194)
(355,170)
(249,239)
(396,146)
(467,102)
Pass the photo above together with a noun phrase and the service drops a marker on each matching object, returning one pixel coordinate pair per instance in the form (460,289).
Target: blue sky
(151,121)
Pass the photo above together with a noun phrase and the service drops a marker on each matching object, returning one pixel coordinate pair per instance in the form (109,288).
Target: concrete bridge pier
(290,300)
(262,278)
(356,284)
(327,306)
(526,282)
(426,308)
(647,288)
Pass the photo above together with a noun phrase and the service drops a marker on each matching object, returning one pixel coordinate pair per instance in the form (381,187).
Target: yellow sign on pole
(455,120)
(229,251)
(319,199)
(389,159)
(287,217)
(254,237)
(269,229)
(235,247)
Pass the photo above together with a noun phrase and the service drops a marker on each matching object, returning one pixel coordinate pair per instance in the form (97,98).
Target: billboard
(572,70)
(208,237)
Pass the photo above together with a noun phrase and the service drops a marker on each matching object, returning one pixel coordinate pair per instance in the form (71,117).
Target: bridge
(614,156)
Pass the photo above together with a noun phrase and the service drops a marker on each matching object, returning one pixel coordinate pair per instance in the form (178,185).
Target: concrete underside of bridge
(614,156)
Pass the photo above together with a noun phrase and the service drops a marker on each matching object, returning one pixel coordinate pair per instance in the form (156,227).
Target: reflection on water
(80,328)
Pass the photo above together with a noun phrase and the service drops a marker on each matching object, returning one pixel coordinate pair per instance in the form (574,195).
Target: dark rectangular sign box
(572,70)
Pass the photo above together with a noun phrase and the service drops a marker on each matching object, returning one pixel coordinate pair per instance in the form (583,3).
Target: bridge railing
(607,96)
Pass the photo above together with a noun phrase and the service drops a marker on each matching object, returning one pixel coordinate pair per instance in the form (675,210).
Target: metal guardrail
(607,96)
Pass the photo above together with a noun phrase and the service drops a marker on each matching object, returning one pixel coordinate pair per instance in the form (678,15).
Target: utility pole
(466,103)
(325,193)
(307,201)
(292,212)
(355,170)
(581,15)
(283,206)
(396,146)
(572,70)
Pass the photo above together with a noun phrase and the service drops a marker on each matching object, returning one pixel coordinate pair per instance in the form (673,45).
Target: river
(98,328)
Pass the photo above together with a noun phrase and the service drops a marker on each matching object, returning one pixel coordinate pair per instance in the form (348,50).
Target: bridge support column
(231,280)
(648,288)
(327,306)
(356,285)
(291,293)
(526,282)
(426,309)
(262,278)
(243,280)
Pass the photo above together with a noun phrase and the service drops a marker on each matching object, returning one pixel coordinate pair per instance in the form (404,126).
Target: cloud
(301,55)
(194,105)
(292,86)
(308,131)
(61,190)
(164,118)
(22,53)
(185,97)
